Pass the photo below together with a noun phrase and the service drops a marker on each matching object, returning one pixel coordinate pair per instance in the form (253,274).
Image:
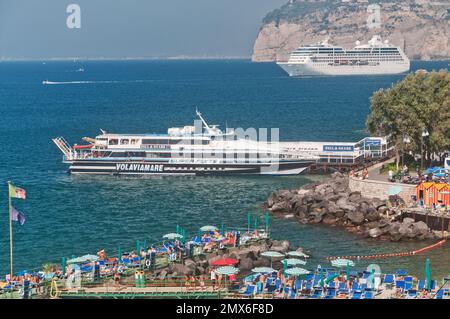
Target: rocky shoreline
(333,203)
(249,257)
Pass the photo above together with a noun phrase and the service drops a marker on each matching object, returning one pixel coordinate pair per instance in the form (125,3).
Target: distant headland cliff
(420,27)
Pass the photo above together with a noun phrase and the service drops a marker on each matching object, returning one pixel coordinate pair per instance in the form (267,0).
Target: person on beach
(193,283)
(187,282)
(201,279)
(117,279)
(390,175)
(352,173)
(213,278)
(219,281)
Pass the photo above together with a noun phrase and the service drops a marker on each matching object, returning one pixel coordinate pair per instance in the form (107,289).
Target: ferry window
(133,141)
(113,141)
(125,141)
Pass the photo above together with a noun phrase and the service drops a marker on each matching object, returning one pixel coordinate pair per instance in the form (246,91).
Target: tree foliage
(420,101)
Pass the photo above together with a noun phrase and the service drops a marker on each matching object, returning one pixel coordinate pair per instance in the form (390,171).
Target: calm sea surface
(71,215)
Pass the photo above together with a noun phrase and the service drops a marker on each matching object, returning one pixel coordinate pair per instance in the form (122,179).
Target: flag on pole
(17,216)
(16,192)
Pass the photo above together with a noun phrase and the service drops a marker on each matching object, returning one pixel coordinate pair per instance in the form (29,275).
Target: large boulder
(372,214)
(354,197)
(356,217)
(246,264)
(375,232)
(420,229)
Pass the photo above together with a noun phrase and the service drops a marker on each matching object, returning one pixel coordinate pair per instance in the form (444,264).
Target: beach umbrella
(178,229)
(272,254)
(183,234)
(224,262)
(297,254)
(428,274)
(401,272)
(222,230)
(331,278)
(119,254)
(341,262)
(285,266)
(90,257)
(263,270)
(227,270)
(296,271)
(145,244)
(267,221)
(294,261)
(208,228)
(322,279)
(138,247)
(256,222)
(63,265)
(172,236)
(249,221)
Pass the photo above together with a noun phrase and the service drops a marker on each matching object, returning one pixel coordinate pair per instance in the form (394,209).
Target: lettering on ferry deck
(186,309)
(74,19)
(140,167)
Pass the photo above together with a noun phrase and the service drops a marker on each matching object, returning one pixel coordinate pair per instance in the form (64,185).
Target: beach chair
(401,272)
(308,286)
(331,285)
(368,295)
(331,293)
(298,285)
(433,285)
(271,289)
(355,287)
(317,294)
(400,284)
(342,288)
(442,293)
(268,282)
(412,294)
(293,294)
(278,284)
(408,285)
(389,280)
(309,277)
(356,295)
(421,285)
(126,261)
(249,291)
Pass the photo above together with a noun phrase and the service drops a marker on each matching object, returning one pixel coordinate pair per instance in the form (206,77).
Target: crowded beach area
(219,263)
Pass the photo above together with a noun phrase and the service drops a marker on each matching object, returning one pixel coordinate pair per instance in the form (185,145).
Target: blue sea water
(72,215)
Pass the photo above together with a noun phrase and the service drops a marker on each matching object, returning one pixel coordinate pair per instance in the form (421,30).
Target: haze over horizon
(131,29)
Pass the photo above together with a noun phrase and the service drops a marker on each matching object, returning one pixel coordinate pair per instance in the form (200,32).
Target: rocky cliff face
(421,28)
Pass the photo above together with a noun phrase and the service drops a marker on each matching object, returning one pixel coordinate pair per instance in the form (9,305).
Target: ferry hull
(298,69)
(99,167)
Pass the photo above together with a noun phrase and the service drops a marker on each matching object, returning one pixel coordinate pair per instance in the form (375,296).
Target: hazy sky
(131,28)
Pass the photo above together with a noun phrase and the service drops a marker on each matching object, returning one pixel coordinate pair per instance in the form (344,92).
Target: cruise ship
(201,149)
(374,58)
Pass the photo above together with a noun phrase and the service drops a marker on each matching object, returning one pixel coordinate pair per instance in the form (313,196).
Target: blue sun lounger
(441,293)
(412,293)
(331,293)
(317,294)
(356,295)
(343,288)
(400,284)
(293,294)
(368,295)
(389,279)
(249,291)
(421,285)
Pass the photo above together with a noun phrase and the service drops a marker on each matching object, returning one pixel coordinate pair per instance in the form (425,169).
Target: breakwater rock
(333,203)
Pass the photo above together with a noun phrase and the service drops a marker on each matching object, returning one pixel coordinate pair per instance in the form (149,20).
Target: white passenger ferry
(375,57)
(191,150)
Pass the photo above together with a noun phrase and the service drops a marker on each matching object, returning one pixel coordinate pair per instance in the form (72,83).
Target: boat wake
(92,82)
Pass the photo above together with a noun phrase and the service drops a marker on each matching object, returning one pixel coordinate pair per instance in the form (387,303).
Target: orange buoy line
(388,255)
